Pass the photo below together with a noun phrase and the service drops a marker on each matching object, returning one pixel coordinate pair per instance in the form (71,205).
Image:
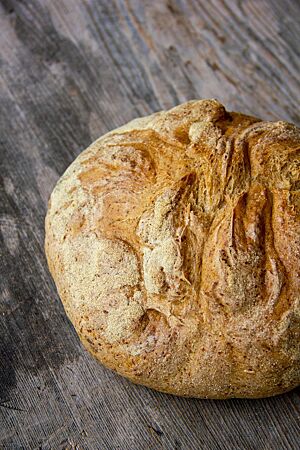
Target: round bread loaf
(174,242)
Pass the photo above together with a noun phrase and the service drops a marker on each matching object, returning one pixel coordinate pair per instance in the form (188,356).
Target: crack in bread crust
(174,242)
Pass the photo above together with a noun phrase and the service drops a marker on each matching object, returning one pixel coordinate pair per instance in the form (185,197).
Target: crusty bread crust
(174,243)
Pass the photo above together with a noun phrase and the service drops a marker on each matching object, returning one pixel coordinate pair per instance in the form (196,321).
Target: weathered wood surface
(70,71)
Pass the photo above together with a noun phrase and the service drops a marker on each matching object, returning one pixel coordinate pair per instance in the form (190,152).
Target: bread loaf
(174,242)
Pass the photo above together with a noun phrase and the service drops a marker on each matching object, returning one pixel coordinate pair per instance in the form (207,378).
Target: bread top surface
(174,242)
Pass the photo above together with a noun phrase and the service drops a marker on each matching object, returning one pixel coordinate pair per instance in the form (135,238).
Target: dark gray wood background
(70,71)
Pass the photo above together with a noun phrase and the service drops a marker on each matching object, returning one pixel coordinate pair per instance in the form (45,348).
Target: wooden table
(70,71)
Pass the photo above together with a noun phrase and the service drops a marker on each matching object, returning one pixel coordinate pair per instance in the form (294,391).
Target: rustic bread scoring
(174,242)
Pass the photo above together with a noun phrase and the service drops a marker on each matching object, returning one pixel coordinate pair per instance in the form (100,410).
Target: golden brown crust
(174,244)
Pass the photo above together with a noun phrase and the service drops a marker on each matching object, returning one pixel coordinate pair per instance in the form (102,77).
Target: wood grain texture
(70,71)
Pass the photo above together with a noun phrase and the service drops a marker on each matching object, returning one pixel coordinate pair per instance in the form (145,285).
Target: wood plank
(70,71)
